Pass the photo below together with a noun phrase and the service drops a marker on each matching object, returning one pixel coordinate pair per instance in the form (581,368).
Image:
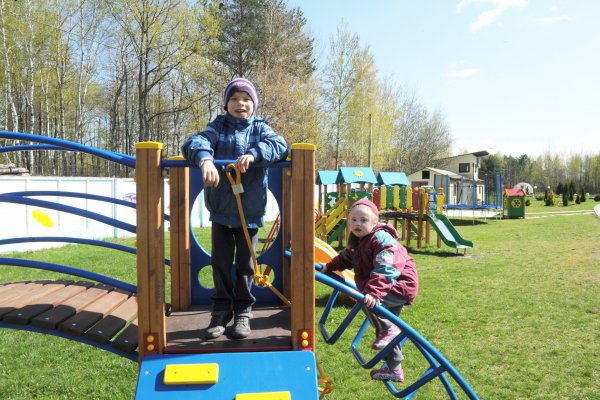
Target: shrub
(565,199)
(527,202)
(540,197)
(583,196)
(597,197)
(551,199)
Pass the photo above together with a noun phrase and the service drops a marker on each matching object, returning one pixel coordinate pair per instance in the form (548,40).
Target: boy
(238,135)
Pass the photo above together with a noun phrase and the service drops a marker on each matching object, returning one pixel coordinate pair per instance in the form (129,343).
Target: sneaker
(218,322)
(241,327)
(385,337)
(386,374)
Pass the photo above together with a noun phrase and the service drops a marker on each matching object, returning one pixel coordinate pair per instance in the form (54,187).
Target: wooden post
(285,219)
(303,241)
(150,249)
(179,183)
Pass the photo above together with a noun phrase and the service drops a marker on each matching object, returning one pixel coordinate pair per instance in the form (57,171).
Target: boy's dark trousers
(230,294)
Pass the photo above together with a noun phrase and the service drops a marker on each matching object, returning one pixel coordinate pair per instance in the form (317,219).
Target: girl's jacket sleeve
(341,262)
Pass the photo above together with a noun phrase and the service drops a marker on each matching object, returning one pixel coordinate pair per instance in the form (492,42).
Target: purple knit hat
(240,85)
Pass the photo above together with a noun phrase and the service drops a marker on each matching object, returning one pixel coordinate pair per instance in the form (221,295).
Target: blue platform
(239,374)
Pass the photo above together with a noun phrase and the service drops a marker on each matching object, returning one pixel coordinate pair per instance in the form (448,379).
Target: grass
(518,316)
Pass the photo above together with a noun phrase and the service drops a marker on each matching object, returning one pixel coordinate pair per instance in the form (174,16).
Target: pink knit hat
(366,202)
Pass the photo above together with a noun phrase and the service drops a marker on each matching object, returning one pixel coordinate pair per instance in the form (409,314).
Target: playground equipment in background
(514,203)
(173,361)
(470,194)
(416,209)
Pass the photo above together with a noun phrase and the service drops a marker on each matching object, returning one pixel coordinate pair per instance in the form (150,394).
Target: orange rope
(259,278)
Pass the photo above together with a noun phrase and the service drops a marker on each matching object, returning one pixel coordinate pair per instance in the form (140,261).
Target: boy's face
(240,105)
(362,220)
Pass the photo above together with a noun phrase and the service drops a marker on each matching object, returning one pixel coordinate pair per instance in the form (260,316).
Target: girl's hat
(366,202)
(240,85)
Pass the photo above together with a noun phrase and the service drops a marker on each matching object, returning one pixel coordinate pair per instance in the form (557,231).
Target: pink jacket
(381,265)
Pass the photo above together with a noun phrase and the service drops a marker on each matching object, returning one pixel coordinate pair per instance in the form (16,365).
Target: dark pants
(394,305)
(230,295)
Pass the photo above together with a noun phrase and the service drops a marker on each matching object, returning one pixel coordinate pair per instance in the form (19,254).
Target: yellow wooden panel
(190,374)
(264,396)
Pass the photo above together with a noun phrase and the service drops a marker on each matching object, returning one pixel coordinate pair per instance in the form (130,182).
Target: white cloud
(555,19)
(457,71)
(488,17)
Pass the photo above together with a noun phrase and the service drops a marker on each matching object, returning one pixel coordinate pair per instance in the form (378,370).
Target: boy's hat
(366,202)
(240,85)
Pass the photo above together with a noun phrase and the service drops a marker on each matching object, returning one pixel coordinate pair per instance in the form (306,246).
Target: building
(459,177)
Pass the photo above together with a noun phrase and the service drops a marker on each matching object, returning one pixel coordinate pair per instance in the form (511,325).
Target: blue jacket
(227,138)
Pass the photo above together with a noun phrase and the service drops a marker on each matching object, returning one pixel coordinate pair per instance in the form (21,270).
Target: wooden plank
(104,330)
(19,290)
(180,238)
(24,315)
(127,340)
(5,289)
(31,296)
(93,312)
(51,318)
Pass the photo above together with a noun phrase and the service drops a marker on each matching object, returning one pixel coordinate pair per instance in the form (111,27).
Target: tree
(338,81)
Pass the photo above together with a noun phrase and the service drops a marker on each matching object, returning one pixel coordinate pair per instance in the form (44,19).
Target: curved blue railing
(438,365)
(63,269)
(82,339)
(61,144)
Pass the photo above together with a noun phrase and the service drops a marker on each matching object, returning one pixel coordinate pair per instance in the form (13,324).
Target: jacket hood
(384,226)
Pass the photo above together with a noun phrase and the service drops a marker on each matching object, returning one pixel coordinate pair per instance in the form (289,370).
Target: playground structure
(173,362)
(418,210)
(469,194)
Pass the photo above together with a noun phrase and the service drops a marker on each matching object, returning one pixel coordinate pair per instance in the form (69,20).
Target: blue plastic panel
(239,373)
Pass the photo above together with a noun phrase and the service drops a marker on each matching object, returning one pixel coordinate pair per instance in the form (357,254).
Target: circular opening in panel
(200,222)
(205,277)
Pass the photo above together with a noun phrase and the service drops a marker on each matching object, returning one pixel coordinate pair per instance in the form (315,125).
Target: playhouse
(514,203)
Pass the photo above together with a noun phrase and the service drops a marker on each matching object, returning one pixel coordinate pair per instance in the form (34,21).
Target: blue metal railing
(439,367)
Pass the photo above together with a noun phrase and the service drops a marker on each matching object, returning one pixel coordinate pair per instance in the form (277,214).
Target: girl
(384,273)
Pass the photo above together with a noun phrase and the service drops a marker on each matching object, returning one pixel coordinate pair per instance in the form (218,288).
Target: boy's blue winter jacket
(227,138)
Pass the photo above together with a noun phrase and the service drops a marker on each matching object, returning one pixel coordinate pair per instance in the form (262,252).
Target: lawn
(518,316)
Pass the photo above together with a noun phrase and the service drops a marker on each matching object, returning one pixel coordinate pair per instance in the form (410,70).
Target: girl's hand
(371,301)
(210,175)
(243,162)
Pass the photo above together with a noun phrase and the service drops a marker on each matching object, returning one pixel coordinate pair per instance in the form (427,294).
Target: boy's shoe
(385,337)
(386,374)
(241,327)
(218,322)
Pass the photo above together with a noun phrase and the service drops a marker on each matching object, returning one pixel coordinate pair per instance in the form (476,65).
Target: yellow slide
(324,252)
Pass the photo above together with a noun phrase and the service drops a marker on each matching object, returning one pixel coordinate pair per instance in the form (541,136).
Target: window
(463,168)
(425,174)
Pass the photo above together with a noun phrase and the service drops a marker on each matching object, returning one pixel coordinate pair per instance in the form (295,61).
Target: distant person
(384,273)
(237,135)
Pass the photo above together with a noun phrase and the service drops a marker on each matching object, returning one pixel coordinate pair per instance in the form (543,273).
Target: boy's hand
(210,175)
(370,301)
(243,162)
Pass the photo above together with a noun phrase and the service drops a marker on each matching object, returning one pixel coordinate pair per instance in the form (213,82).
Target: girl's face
(362,220)
(240,105)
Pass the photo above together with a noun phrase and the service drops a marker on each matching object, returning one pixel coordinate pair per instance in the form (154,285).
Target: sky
(509,76)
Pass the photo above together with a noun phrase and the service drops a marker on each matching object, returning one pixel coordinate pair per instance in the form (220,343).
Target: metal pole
(370,138)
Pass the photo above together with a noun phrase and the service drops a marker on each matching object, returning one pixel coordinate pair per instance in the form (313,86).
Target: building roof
(514,192)
(393,178)
(356,175)
(326,177)
(444,172)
